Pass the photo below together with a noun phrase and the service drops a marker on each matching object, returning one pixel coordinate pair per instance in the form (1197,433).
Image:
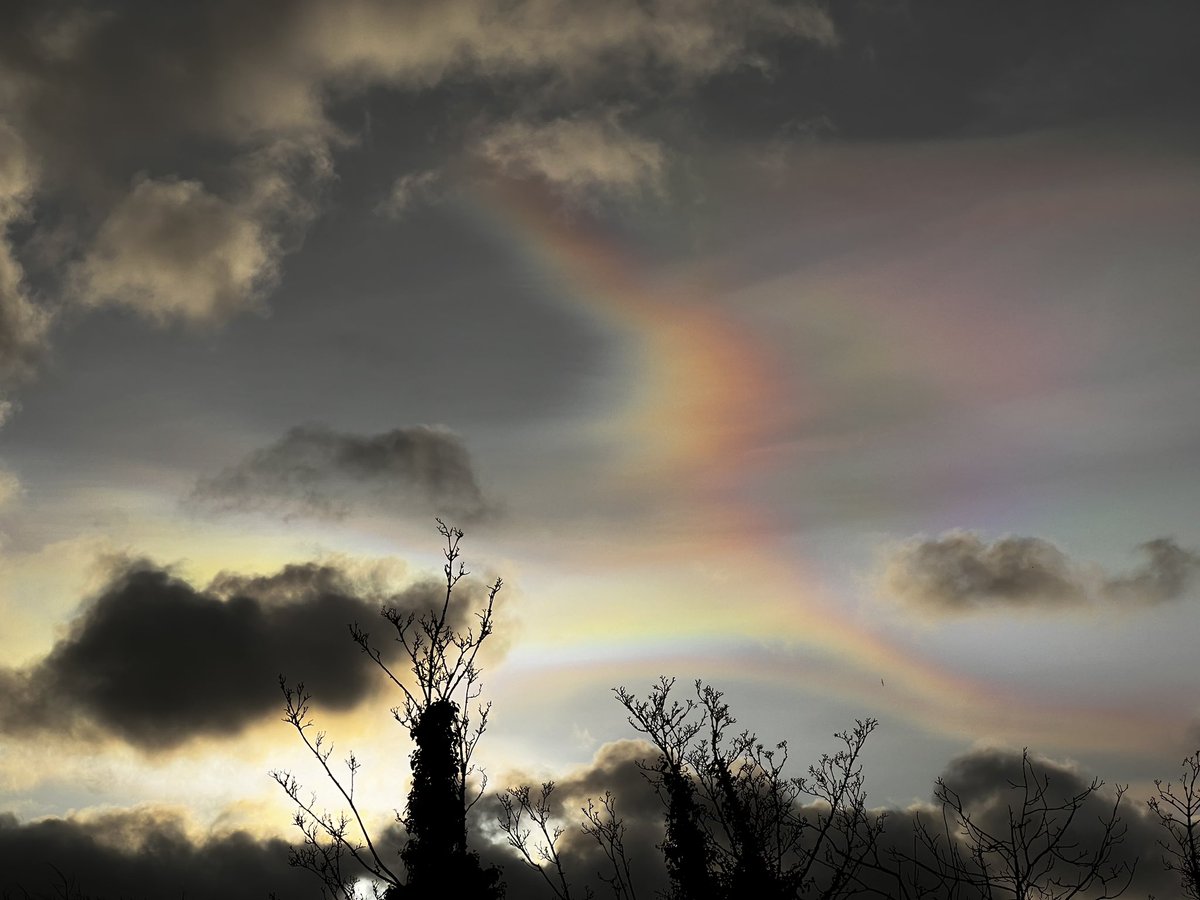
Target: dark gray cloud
(154,661)
(961,572)
(141,853)
(1168,572)
(316,471)
(989,781)
(615,768)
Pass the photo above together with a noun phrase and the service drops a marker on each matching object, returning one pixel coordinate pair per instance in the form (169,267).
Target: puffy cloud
(316,471)
(1167,574)
(576,155)
(156,661)
(960,572)
(171,249)
(141,853)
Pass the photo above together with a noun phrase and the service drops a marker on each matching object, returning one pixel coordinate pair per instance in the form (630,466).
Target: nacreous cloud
(155,661)
(960,572)
(316,471)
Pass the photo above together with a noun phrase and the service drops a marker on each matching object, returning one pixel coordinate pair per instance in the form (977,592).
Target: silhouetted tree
(529,823)
(1041,846)
(601,822)
(671,726)
(534,827)
(736,824)
(441,659)
(1179,815)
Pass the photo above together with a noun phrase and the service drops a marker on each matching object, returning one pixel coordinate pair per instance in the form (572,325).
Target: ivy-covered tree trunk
(436,858)
(685,846)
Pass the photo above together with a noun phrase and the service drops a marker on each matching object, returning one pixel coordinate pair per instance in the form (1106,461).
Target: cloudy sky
(840,354)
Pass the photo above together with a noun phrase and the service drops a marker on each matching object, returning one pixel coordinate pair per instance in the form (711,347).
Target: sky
(839,354)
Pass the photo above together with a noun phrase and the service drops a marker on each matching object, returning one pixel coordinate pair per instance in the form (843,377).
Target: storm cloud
(316,471)
(960,572)
(154,661)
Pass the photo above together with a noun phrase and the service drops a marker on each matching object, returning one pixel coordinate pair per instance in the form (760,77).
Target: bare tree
(441,659)
(534,826)
(1042,845)
(1179,815)
(737,824)
(529,823)
(601,822)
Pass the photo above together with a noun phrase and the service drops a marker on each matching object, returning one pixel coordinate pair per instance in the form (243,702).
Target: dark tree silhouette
(1179,814)
(442,661)
(534,827)
(736,824)
(601,822)
(1042,845)
(671,726)
(529,823)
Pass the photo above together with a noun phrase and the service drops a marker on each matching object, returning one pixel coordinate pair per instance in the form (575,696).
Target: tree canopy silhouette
(736,825)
